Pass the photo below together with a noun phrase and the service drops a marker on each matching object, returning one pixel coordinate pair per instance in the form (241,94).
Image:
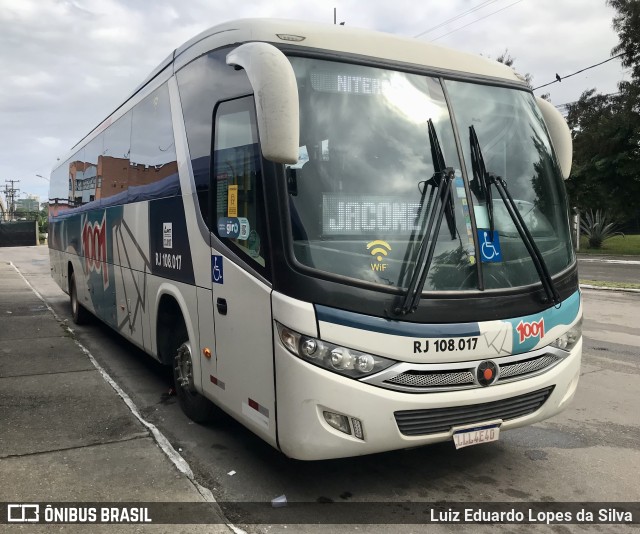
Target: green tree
(606,163)
(507,59)
(43,220)
(627,24)
(606,131)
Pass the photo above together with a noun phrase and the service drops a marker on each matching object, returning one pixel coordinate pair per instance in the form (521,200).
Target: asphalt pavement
(68,433)
(614,270)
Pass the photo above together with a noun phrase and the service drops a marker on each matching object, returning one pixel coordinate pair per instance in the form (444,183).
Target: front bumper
(304,391)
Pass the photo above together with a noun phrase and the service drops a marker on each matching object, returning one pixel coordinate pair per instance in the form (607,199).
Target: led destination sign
(349,215)
(344,83)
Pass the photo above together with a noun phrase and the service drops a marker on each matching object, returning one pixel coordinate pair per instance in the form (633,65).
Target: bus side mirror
(276,97)
(560,135)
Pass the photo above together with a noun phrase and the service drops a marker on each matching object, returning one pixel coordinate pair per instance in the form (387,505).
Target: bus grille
(438,420)
(431,379)
(439,380)
(526,367)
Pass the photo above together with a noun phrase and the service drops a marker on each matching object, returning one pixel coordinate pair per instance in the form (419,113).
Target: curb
(601,288)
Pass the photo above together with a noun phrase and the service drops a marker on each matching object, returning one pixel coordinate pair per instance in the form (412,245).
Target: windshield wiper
(440,190)
(484,182)
(440,167)
(479,185)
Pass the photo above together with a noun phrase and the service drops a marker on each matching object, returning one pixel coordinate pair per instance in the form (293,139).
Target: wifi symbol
(381,248)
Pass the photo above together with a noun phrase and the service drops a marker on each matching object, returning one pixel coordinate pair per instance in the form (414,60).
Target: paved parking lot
(587,453)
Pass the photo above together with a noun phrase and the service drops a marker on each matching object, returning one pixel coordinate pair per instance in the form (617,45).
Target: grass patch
(628,245)
(618,285)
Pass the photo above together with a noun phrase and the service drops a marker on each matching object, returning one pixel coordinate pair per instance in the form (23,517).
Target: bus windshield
(357,199)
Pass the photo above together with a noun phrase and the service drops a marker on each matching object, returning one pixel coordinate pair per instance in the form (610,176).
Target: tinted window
(203,83)
(115,160)
(76,178)
(59,189)
(238,198)
(515,146)
(364,183)
(91,182)
(153,153)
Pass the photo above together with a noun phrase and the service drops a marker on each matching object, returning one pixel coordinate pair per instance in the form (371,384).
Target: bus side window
(153,169)
(236,180)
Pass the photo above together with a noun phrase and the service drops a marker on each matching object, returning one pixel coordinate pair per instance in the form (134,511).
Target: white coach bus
(349,241)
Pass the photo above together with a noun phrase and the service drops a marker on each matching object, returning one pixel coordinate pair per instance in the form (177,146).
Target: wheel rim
(184,368)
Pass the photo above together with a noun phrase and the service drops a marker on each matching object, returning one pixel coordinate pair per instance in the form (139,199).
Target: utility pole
(10,196)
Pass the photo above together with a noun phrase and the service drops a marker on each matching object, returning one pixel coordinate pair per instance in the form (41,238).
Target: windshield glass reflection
(364,158)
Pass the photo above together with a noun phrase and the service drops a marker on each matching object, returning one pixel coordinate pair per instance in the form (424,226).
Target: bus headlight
(569,339)
(343,360)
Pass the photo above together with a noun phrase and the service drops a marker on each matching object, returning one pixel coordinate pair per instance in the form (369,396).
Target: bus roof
(334,38)
(338,38)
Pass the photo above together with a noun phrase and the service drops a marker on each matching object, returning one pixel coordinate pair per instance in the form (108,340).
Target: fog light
(357,428)
(337,421)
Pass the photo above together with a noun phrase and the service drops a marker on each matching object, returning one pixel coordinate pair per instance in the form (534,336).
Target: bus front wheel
(195,406)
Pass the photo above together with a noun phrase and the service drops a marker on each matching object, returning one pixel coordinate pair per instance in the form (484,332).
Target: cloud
(67,64)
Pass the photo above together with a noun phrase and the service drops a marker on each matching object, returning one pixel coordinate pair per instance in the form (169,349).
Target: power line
(477,20)
(459,16)
(560,78)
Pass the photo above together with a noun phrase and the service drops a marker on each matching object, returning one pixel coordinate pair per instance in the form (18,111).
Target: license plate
(475,435)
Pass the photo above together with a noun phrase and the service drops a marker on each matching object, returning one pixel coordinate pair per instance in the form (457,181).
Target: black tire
(79,313)
(196,407)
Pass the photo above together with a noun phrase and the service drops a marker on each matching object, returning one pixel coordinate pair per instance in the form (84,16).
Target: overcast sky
(67,64)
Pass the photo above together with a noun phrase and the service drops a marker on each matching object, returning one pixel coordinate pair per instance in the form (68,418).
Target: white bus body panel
(207,367)
(244,351)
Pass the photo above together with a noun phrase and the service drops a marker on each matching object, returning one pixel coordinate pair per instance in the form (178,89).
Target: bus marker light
(289,339)
(337,421)
(289,37)
(206,352)
(217,382)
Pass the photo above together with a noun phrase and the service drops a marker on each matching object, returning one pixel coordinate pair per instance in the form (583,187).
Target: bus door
(244,383)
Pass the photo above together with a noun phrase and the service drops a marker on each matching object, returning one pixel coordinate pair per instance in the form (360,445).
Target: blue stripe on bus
(396,328)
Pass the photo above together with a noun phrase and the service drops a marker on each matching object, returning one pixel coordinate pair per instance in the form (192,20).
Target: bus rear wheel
(79,313)
(196,407)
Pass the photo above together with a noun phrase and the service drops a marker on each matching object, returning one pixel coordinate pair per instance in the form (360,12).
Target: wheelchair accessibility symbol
(489,246)
(216,270)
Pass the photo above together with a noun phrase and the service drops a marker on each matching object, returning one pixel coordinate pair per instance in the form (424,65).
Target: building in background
(29,204)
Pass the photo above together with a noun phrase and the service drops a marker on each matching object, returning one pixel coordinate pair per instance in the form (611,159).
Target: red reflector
(254,405)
